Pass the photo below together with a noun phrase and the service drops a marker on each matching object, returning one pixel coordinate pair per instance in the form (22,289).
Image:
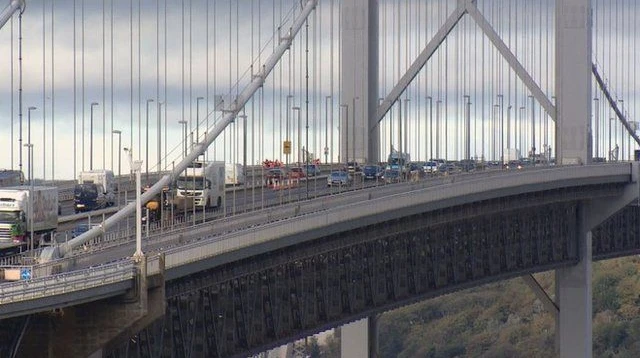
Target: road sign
(25,273)
(286,147)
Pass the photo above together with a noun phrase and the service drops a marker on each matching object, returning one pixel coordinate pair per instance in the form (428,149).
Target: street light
(326,128)
(296,108)
(622,128)
(509,126)
(93,104)
(138,255)
(184,136)
(438,130)
(467,126)
(519,122)
(287,131)
(596,102)
(430,99)
(119,133)
(610,120)
(493,130)
(198,118)
(346,127)
(146,160)
(28,129)
(501,97)
(160,135)
(30,167)
(533,130)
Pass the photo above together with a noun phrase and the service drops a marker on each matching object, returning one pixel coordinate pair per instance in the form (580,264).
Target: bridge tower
(359,82)
(358,106)
(573,143)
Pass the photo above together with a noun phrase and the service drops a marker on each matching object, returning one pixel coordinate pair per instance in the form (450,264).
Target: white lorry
(201,184)
(20,214)
(234,174)
(103,178)
(511,154)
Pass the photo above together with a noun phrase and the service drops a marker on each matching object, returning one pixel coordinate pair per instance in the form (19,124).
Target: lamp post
(430,99)
(184,136)
(346,127)
(438,130)
(146,160)
(30,175)
(32,108)
(501,97)
(138,255)
(119,133)
(93,104)
(496,107)
(297,109)
(326,128)
(533,130)
(198,118)
(287,153)
(306,144)
(622,129)
(596,102)
(467,127)
(610,156)
(404,142)
(522,109)
(159,126)
(509,126)
(353,131)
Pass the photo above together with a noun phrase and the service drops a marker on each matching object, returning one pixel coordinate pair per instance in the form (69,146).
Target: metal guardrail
(222,238)
(67,282)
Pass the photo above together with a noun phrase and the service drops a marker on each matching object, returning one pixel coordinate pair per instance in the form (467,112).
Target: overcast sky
(235,32)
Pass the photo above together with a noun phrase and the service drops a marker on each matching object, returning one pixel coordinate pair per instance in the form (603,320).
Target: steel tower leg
(359,52)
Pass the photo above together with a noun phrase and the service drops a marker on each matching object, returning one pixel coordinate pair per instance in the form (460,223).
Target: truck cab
(201,184)
(27,209)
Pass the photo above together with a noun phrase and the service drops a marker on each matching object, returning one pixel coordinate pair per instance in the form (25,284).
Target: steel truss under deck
(256,304)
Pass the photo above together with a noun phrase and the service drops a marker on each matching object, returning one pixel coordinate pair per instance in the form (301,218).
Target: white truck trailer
(201,185)
(234,174)
(511,154)
(23,209)
(103,178)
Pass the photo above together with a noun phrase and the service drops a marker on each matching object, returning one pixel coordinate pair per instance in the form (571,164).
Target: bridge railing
(67,282)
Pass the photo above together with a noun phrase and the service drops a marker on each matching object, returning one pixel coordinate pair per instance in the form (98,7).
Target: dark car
(311,170)
(467,165)
(339,177)
(447,168)
(87,197)
(513,164)
(276,173)
(391,176)
(372,172)
(353,167)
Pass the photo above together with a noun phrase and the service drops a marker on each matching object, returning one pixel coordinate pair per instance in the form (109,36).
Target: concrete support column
(573,81)
(359,96)
(359,339)
(574,337)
